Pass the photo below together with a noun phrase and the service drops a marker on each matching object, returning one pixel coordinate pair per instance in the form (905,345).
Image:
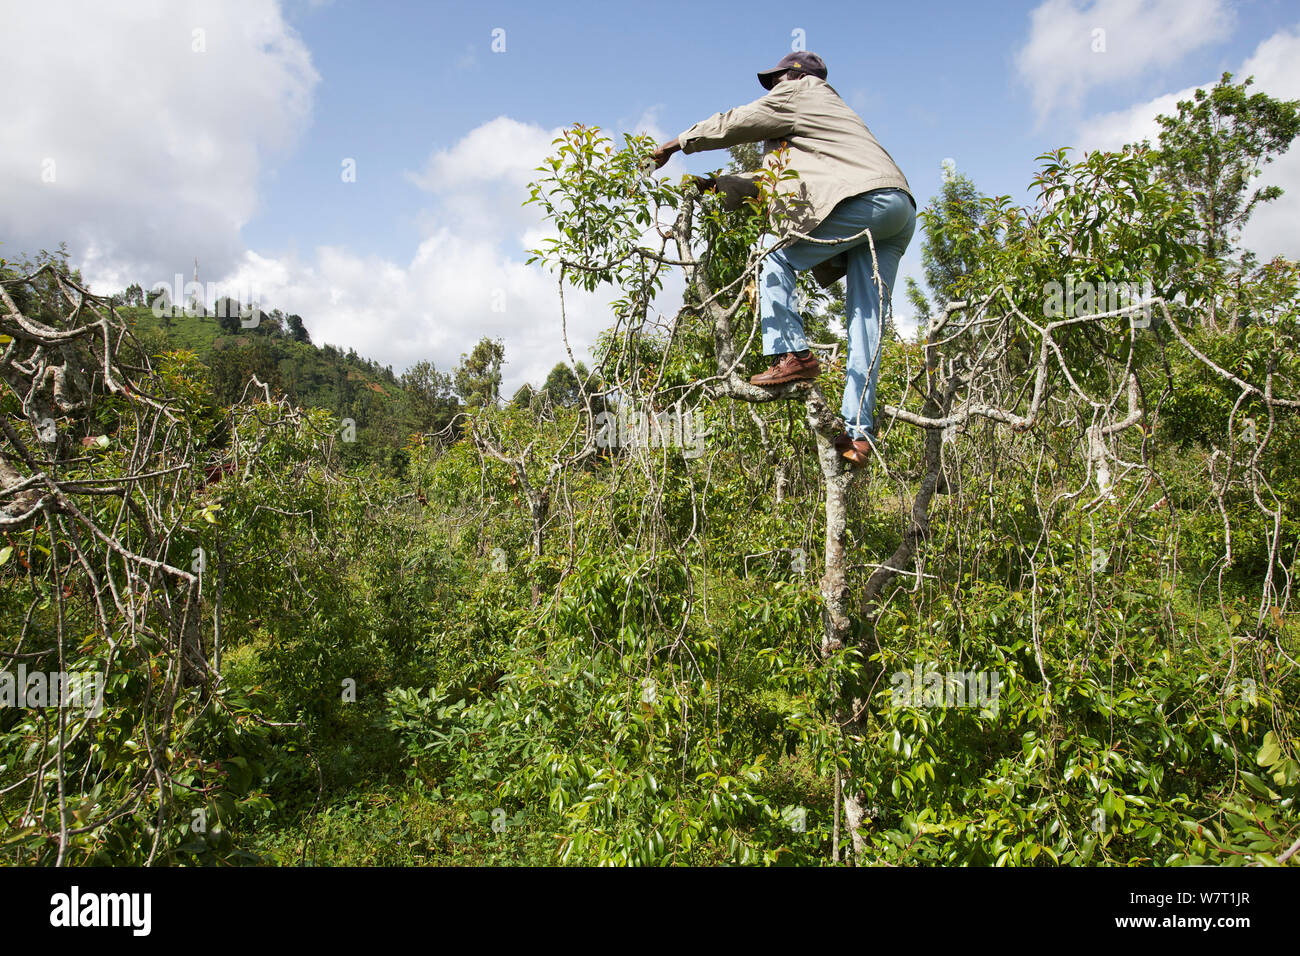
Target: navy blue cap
(800,61)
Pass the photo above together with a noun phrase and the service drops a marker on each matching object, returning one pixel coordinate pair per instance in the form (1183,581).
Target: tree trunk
(854,812)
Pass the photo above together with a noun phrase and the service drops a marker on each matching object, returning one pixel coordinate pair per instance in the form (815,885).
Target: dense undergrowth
(438,664)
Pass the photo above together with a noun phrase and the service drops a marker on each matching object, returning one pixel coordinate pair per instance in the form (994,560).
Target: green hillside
(345,384)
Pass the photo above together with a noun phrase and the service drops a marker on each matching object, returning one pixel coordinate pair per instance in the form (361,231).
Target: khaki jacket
(830,147)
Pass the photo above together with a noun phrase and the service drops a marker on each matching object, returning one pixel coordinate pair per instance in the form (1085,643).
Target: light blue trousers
(890,216)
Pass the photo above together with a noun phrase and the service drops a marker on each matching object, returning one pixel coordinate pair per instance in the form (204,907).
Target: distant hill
(385,410)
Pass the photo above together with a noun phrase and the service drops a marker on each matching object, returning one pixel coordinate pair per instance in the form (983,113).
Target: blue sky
(227,144)
(932,80)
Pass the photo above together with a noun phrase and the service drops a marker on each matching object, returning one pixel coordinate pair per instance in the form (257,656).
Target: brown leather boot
(858,452)
(789,368)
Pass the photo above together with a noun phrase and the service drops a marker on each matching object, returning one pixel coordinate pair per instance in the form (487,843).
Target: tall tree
(227,311)
(745,157)
(478,377)
(565,388)
(945,256)
(1216,146)
(524,396)
(297,330)
(430,395)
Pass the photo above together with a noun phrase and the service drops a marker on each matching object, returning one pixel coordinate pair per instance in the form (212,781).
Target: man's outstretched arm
(665,152)
(769,117)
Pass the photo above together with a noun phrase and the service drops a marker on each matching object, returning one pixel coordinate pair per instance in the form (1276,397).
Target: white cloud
(154,118)
(1275,65)
(467,279)
(159,149)
(650,123)
(1066,56)
(454,291)
(1130,125)
(481,182)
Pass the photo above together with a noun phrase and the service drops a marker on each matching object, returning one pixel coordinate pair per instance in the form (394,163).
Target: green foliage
(478,377)
(420,666)
(959,210)
(1120,763)
(386,409)
(599,201)
(1216,146)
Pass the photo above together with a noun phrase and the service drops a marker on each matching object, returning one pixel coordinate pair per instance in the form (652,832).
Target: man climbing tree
(848,195)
